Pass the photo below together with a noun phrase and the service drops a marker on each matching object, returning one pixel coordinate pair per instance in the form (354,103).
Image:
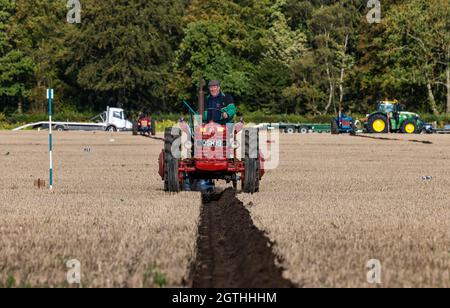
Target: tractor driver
(219,107)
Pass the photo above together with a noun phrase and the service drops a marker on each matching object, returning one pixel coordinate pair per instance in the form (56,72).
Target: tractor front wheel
(378,124)
(153,129)
(409,127)
(334,127)
(235,185)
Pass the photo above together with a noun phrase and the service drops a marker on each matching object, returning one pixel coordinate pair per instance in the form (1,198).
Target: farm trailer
(292,128)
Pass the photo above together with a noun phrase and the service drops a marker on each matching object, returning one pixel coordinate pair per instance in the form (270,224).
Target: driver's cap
(214,83)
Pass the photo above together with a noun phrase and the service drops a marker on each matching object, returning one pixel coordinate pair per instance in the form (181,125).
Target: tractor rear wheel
(171,169)
(171,162)
(334,127)
(250,185)
(153,129)
(354,129)
(250,182)
(409,127)
(378,124)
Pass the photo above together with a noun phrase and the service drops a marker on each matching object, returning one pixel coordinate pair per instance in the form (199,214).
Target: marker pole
(50,137)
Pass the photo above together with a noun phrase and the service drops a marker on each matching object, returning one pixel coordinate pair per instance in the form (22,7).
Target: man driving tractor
(212,149)
(219,107)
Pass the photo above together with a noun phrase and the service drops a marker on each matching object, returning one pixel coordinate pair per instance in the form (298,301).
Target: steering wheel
(214,109)
(221,112)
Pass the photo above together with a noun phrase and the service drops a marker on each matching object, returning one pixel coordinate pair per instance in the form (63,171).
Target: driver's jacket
(216,106)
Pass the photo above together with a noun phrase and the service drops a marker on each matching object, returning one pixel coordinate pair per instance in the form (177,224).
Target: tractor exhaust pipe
(201,98)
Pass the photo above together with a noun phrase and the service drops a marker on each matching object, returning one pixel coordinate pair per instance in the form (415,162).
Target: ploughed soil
(231,251)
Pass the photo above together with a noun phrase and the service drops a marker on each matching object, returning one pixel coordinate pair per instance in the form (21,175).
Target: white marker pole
(50,137)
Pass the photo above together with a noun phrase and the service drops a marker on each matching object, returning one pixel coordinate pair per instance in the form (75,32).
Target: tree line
(275,56)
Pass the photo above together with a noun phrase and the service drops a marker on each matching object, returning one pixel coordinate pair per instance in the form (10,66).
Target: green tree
(38,28)
(407,55)
(283,46)
(15,67)
(418,33)
(281,42)
(223,40)
(121,52)
(203,54)
(333,32)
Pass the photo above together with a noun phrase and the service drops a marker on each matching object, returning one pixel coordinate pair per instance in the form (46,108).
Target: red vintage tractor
(144,125)
(210,153)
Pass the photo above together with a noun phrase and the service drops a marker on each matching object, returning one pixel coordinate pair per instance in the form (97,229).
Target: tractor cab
(388,107)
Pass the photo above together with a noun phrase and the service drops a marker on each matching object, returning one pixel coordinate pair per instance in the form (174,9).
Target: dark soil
(231,251)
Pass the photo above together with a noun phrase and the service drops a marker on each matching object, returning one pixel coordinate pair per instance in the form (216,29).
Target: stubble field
(334,203)
(108,212)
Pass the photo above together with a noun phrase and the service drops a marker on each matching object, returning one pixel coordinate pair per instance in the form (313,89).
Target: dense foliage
(275,56)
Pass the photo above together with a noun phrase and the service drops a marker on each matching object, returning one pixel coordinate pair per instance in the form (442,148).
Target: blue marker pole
(50,137)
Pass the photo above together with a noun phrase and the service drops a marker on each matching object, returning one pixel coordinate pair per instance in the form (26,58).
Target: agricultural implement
(301,128)
(433,129)
(391,117)
(339,125)
(196,154)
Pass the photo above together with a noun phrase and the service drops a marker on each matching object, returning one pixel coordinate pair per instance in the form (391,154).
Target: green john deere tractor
(391,117)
